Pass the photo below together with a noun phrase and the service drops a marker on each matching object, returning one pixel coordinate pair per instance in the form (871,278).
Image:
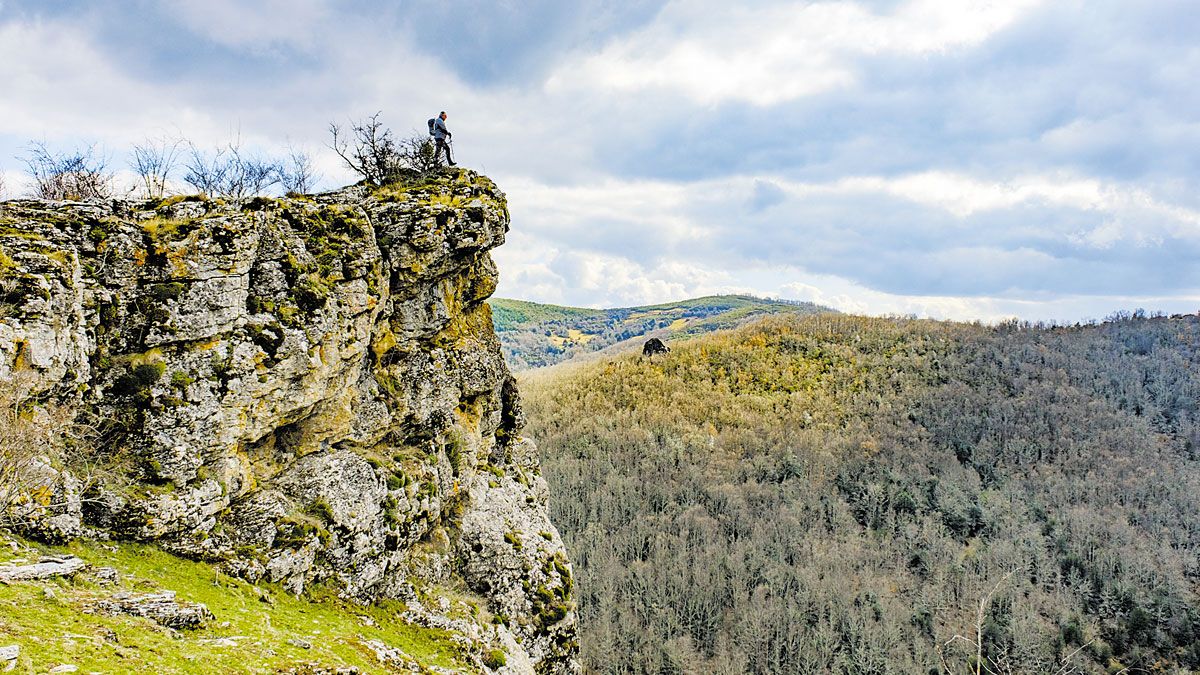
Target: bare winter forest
(853,495)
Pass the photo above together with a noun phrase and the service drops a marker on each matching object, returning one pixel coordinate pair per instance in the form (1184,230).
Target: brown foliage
(839,494)
(29,434)
(38,439)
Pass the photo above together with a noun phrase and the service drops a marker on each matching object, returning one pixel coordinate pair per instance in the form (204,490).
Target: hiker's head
(443,115)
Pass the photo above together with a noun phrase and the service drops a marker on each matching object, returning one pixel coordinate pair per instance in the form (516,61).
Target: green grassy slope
(838,494)
(257,629)
(535,335)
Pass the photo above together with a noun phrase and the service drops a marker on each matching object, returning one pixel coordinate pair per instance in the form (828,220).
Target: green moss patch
(329,232)
(167,291)
(138,381)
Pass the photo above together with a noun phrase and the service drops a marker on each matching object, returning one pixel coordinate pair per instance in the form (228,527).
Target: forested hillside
(534,334)
(852,495)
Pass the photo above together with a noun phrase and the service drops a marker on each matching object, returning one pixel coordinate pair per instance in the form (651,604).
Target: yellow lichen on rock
(306,388)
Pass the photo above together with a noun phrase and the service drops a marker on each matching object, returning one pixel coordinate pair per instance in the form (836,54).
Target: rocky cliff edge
(307,390)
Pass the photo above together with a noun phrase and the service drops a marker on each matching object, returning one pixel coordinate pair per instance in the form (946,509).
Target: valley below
(839,494)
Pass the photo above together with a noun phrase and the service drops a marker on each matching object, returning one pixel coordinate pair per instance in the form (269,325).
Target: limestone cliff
(308,389)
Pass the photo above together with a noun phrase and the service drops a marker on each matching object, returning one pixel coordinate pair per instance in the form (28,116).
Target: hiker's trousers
(437,152)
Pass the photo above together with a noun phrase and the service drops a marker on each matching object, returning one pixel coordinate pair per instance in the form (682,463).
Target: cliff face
(308,389)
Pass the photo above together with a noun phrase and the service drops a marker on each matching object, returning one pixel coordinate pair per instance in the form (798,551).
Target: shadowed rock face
(308,388)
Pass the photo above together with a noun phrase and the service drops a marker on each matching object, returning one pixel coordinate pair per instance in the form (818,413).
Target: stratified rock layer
(308,388)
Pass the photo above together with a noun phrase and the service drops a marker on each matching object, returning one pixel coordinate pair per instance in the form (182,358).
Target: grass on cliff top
(416,184)
(48,620)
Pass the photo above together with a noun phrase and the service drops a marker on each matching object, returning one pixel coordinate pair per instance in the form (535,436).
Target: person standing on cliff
(440,135)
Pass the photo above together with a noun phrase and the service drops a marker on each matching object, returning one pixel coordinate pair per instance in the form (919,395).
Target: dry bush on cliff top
(154,161)
(371,150)
(78,174)
(229,171)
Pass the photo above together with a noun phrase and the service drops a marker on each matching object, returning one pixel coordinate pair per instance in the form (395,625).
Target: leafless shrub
(370,150)
(30,436)
(206,175)
(80,174)
(230,172)
(39,439)
(416,154)
(983,663)
(296,172)
(153,161)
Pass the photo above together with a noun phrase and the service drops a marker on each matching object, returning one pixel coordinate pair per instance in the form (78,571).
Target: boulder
(46,568)
(161,607)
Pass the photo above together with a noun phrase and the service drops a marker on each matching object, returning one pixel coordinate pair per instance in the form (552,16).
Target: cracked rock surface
(161,607)
(308,389)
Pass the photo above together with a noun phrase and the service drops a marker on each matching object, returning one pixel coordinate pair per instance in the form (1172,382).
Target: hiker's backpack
(431,119)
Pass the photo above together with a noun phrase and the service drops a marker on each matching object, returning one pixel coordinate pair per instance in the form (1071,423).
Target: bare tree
(153,161)
(230,172)
(982,663)
(205,175)
(417,154)
(296,172)
(368,149)
(80,174)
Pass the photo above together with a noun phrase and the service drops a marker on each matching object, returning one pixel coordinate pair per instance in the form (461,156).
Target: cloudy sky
(974,159)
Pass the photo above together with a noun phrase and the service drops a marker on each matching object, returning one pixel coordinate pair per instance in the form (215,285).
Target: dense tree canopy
(851,495)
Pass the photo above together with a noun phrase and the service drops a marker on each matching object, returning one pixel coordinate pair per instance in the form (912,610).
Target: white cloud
(987,242)
(12,183)
(959,153)
(665,211)
(256,24)
(1131,214)
(533,268)
(645,213)
(717,51)
(63,87)
(54,76)
(836,293)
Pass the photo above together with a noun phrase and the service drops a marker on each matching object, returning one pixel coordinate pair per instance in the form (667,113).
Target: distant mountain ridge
(534,334)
